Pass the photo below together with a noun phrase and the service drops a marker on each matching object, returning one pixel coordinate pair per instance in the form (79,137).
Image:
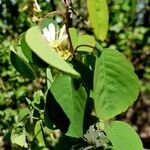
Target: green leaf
(123,136)
(116,86)
(18,47)
(74,37)
(25,49)
(37,96)
(39,46)
(73,103)
(38,101)
(49,77)
(98,16)
(23,114)
(39,133)
(86,40)
(81,40)
(18,136)
(54,115)
(22,66)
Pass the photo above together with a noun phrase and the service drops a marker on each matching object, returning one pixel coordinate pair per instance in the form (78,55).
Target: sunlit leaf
(40,46)
(38,131)
(98,17)
(74,37)
(18,136)
(123,136)
(86,40)
(116,86)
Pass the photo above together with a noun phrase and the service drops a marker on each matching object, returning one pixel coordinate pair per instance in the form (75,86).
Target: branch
(67,29)
(55,13)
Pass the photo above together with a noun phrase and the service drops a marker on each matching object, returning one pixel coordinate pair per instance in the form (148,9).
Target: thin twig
(55,13)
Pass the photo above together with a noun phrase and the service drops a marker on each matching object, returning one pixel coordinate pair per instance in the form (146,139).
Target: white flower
(55,38)
(58,40)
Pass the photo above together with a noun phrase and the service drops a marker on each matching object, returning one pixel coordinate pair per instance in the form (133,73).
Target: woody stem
(67,27)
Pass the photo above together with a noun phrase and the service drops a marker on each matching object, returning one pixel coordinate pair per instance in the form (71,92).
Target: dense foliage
(127,33)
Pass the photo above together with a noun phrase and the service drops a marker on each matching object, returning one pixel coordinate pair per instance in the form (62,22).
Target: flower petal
(52,31)
(62,33)
(46,34)
(64,38)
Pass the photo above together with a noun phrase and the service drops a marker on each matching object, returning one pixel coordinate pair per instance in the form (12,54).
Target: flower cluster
(58,40)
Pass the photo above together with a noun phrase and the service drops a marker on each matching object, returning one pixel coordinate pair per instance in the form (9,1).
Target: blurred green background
(128,32)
